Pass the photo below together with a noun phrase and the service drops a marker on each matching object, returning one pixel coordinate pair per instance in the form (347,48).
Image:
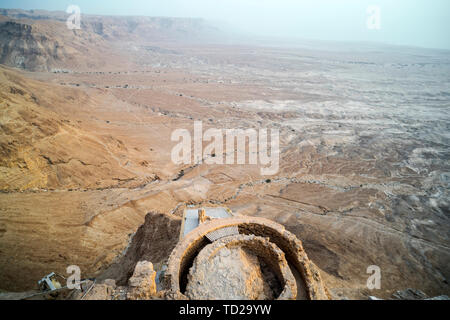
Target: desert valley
(86,119)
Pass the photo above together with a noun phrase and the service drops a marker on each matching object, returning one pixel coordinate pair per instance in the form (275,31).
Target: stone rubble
(231,274)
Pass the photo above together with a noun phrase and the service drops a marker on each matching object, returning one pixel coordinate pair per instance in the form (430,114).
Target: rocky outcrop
(23,46)
(142,286)
(153,241)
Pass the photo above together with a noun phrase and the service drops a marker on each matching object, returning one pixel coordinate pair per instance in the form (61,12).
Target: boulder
(142,286)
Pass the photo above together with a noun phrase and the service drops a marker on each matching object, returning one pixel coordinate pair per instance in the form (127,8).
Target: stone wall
(188,248)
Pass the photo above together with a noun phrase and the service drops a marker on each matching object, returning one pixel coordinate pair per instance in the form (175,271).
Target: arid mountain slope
(41,149)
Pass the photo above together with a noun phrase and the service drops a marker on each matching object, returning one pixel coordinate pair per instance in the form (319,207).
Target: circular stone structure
(205,269)
(280,249)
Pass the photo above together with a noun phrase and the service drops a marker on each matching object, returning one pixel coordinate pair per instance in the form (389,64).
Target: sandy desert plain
(86,147)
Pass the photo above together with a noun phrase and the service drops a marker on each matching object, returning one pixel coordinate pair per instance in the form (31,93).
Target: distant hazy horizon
(418,23)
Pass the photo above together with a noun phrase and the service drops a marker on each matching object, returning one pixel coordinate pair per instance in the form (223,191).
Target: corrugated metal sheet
(222,233)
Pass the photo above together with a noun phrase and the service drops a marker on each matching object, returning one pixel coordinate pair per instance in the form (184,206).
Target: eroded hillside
(42,149)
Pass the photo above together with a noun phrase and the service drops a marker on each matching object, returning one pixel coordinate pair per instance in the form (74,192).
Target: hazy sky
(424,23)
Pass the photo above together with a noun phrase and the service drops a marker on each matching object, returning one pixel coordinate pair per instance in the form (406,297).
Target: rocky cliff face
(147,29)
(41,41)
(153,241)
(21,47)
(127,27)
(48,45)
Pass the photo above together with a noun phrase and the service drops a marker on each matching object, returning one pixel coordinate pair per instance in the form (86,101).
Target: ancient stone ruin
(220,255)
(261,260)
